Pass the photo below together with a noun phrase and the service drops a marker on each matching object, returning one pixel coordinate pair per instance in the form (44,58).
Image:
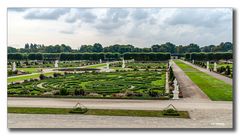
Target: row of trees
(209,56)
(89,56)
(97,47)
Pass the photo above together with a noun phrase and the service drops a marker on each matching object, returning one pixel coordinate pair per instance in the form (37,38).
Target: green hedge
(89,56)
(147,56)
(209,56)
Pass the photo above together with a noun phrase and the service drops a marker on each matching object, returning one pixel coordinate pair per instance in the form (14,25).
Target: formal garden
(104,75)
(112,84)
(143,79)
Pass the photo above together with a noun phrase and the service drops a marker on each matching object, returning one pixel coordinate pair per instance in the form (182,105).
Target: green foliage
(64,91)
(102,112)
(171,112)
(153,93)
(42,76)
(171,74)
(79,110)
(79,91)
(147,56)
(209,56)
(215,89)
(101,84)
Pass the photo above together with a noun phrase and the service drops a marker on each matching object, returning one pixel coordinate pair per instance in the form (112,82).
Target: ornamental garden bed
(128,84)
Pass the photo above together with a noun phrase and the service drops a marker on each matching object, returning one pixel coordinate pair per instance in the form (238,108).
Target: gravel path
(182,104)
(189,89)
(200,119)
(203,114)
(218,76)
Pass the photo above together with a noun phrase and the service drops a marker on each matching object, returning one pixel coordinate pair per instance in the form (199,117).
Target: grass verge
(25,77)
(97,65)
(101,112)
(214,88)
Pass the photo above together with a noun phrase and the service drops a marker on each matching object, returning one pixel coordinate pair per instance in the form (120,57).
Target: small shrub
(79,92)
(79,110)
(64,91)
(170,112)
(41,76)
(153,93)
(228,71)
(56,74)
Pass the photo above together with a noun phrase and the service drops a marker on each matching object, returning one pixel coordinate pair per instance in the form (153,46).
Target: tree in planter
(41,76)
(64,91)
(171,74)
(80,92)
(56,74)
(153,93)
(228,71)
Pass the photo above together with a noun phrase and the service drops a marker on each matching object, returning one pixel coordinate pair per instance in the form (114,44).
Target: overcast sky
(141,27)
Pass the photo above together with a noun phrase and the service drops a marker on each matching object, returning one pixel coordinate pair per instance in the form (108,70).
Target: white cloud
(139,26)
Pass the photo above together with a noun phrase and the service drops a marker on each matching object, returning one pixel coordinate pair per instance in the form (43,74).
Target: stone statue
(56,64)
(207,65)
(107,66)
(193,61)
(176,90)
(215,66)
(14,66)
(100,61)
(123,63)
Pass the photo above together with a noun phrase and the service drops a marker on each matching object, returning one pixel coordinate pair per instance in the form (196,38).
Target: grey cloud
(81,14)
(114,19)
(46,14)
(198,17)
(140,14)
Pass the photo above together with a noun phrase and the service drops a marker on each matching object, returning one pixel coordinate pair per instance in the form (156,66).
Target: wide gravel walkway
(203,114)
(189,89)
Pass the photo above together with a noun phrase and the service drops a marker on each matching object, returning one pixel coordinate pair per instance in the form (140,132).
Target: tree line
(88,56)
(117,48)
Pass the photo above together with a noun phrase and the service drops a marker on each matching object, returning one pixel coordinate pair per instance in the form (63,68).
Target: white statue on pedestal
(56,64)
(100,61)
(107,66)
(207,65)
(14,66)
(123,63)
(193,61)
(169,64)
(176,90)
(215,66)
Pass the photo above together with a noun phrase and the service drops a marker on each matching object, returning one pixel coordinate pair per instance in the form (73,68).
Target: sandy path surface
(182,104)
(199,119)
(204,114)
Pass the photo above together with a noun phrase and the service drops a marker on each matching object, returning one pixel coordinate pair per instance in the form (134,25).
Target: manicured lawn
(25,77)
(216,89)
(97,66)
(30,70)
(101,112)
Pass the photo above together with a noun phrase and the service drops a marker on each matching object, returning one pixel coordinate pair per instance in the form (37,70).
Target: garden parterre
(123,84)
